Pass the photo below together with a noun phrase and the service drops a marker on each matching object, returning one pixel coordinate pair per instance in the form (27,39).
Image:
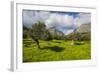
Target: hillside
(82,33)
(54,31)
(84,28)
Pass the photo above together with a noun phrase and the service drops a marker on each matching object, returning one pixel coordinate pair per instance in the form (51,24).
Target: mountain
(55,32)
(84,28)
(81,33)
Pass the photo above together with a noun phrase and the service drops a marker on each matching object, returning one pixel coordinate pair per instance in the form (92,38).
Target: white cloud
(64,22)
(60,20)
(67,23)
(41,15)
(82,18)
(30,17)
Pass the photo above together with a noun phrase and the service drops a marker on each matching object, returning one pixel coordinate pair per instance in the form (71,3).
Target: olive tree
(39,31)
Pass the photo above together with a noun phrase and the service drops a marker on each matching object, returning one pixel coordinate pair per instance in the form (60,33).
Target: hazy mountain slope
(54,31)
(83,32)
(84,28)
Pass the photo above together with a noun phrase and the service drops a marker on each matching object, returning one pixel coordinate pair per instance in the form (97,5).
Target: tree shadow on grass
(54,48)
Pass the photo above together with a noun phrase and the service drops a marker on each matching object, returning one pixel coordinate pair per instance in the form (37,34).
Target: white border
(17,37)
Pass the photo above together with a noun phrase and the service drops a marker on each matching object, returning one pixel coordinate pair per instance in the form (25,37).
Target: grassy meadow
(55,50)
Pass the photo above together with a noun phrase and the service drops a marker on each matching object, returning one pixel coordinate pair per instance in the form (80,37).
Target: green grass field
(55,50)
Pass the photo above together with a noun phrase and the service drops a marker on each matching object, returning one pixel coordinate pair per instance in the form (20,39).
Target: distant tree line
(38,31)
(79,36)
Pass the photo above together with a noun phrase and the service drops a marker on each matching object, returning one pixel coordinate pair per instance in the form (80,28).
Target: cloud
(60,20)
(30,17)
(82,18)
(65,22)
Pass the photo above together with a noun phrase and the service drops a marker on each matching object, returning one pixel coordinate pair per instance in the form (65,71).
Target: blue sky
(63,21)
